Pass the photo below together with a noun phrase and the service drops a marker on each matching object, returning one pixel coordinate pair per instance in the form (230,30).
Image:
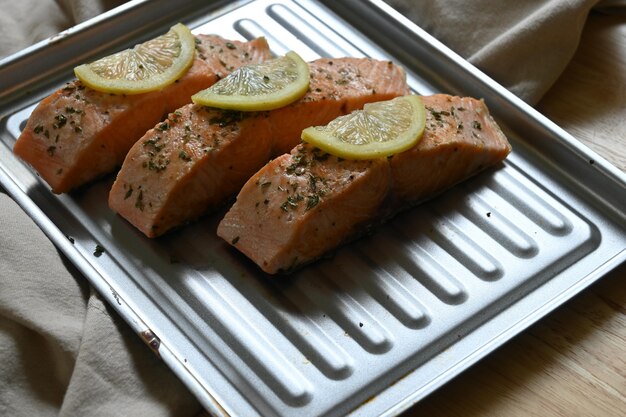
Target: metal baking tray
(389,318)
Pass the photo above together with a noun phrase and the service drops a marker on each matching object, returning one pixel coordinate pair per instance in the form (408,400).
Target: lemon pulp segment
(148,66)
(265,86)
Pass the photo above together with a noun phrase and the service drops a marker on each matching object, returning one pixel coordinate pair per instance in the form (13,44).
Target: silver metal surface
(387,319)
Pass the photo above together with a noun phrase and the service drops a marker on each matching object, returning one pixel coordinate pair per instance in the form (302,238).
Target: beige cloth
(525,45)
(64,352)
(26,22)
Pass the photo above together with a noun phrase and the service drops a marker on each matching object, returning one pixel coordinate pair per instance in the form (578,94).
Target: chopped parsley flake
(292,202)
(139,202)
(226,118)
(60,121)
(129,192)
(98,251)
(312,201)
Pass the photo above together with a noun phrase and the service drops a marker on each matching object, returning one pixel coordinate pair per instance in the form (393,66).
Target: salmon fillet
(305,203)
(78,134)
(200,156)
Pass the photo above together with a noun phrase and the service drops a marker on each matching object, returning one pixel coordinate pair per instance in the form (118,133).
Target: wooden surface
(573,362)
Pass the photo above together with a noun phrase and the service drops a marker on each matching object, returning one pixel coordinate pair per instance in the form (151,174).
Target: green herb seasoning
(312,201)
(319,155)
(298,165)
(61,120)
(98,251)
(292,202)
(139,202)
(313,180)
(157,162)
(226,118)
(129,192)
(154,143)
(158,165)
(184,156)
(437,115)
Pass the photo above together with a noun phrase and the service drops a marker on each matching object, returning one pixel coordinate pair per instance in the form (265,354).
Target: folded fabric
(26,22)
(64,352)
(524,45)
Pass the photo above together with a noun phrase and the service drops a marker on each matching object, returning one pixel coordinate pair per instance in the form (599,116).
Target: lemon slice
(381,129)
(266,86)
(148,66)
